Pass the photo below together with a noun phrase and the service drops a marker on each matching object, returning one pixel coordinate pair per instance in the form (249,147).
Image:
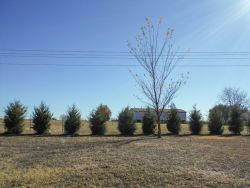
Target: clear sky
(203,26)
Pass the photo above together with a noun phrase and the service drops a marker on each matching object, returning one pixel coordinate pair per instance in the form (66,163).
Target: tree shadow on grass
(36,135)
(13,135)
(66,135)
(129,140)
(183,135)
(200,135)
(117,135)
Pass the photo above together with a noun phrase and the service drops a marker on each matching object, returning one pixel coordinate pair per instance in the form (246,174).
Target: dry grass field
(115,161)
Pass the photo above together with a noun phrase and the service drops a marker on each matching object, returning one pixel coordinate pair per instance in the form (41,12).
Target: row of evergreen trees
(215,121)
(41,116)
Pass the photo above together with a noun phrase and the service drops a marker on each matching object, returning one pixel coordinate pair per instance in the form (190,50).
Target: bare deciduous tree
(158,60)
(234,96)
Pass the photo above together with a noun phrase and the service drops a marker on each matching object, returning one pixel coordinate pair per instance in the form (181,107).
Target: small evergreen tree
(73,121)
(148,122)
(236,121)
(248,125)
(14,117)
(98,118)
(195,121)
(216,120)
(105,111)
(126,123)
(173,121)
(224,110)
(41,119)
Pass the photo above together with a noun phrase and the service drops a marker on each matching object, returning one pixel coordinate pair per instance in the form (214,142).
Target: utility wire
(95,54)
(116,65)
(107,56)
(125,58)
(123,52)
(28,53)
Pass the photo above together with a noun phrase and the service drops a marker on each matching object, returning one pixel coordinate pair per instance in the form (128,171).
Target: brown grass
(114,161)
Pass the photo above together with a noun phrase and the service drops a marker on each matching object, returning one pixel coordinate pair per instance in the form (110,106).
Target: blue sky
(203,26)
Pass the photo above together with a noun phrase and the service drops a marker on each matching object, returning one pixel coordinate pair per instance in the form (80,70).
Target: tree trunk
(159,125)
(159,129)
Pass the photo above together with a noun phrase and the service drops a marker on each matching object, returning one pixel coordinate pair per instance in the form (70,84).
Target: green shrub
(98,118)
(248,126)
(236,121)
(173,121)
(41,119)
(14,117)
(195,121)
(72,121)
(224,110)
(105,111)
(126,123)
(216,120)
(148,122)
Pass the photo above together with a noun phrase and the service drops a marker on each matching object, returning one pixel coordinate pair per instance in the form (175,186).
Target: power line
(113,54)
(101,56)
(125,58)
(104,55)
(116,65)
(123,52)
(81,54)
(95,54)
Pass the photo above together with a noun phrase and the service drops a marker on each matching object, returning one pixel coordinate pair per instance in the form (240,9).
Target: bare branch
(234,96)
(158,64)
